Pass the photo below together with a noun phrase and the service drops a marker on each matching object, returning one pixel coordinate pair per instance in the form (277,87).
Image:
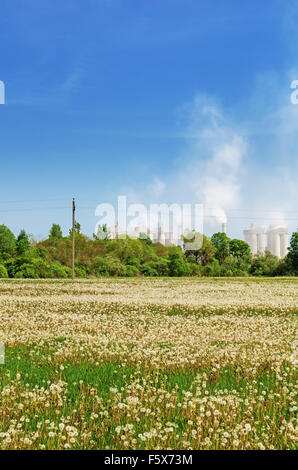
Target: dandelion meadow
(148,364)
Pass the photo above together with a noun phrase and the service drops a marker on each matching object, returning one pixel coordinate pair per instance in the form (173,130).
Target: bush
(79,272)
(42,268)
(132,260)
(194,269)
(161,266)
(177,265)
(266,265)
(56,270)
(234,267)
(27,271)
(148,270)
(101,266)
(3,271)
(131,271)
(108,266)
(213,269)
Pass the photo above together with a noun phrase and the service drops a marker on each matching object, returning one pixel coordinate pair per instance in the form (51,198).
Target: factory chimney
(224,227)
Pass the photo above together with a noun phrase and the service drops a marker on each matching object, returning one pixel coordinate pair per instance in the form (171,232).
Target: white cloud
(243,166)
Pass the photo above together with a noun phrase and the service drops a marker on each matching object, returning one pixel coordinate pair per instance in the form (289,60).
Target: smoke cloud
(216,152)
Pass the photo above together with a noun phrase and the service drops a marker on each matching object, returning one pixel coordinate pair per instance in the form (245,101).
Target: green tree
(233,266)
(212,268)
(206,252)
(7,243)
(23,243)
(177,265)
(239,248)
(145,238)
(161,266)
(266,265)
(293,252)
(56,232)
(198,247)
(222,244)
(27,271)
(3,271)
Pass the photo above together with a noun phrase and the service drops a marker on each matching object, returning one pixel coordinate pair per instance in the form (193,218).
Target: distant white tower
(275,240)
(256,238)
(278,238)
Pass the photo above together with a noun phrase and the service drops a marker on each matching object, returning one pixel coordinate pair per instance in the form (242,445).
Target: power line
(32,209)
(31,200)
(23,201)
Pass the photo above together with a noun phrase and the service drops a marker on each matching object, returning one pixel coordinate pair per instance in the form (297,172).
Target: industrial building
(162,235)
(275,239)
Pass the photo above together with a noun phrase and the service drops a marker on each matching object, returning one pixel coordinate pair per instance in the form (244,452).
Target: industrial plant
(275,239)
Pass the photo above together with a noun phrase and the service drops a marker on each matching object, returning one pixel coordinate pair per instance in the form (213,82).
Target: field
(148,364)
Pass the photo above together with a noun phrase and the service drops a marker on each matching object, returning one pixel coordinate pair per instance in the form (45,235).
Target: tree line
(22,257)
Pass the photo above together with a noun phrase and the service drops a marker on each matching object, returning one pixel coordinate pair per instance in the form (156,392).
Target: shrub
(177,265)
(3,271)
(213,269)
(27,271)
(132,260)
(56,270)
(42,268)
(131,271)
(108,266)
(148,270)
(266,265)
(194,269)
(161,266)
(79,272)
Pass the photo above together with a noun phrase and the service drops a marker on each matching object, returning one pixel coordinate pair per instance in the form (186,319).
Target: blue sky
(140,97)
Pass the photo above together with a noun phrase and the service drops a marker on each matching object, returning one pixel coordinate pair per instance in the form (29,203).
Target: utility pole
(73,237)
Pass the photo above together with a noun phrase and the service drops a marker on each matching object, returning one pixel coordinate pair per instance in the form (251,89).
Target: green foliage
(133,260)
(23,243)
(131,270)
(212,269)
(109,266)
(145,239)
(79,272)
(26,271)
(161,266)
(202,251)
(148,270)
(218,256)
(56,232)
(7,243)
(234,266)
(206,252)
(239,248)
(266,265)
(293,253)
(3,271)
(177,265)
(194,269)
(222,244)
